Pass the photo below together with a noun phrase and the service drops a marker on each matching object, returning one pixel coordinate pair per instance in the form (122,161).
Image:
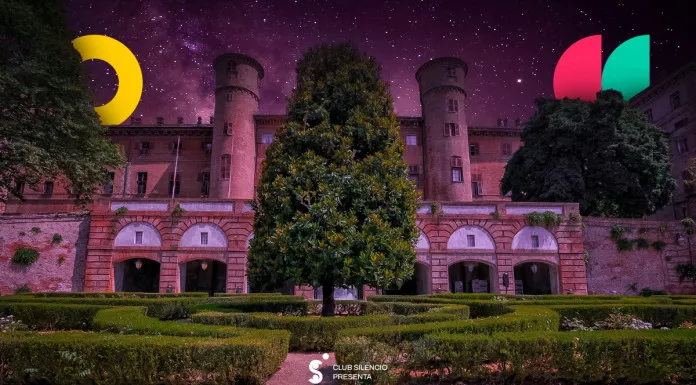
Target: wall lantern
(534,268)
(138,264)
(679,239)
(470,266)
(204,265)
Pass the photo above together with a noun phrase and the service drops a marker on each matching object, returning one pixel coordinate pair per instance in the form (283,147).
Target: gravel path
(295,370)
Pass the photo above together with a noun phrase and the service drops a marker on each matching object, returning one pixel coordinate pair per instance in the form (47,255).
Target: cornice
(447,59)
(646,95)
(160,131)
(239,89)
(494,131)
(240,58)
(445,88)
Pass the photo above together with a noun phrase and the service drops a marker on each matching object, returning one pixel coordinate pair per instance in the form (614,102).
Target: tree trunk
(327,307)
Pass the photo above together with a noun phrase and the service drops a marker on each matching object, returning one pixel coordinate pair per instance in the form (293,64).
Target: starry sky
(511,47)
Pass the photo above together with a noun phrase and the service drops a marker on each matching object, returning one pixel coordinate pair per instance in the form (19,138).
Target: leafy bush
(658,245)
(647,292)
(25,256)
(22,289)
(57,238)
(624,244)
(642,243)
(688,224)
(51,316)
(547,219)
(10,324)
(121,211)
(658,315)
(35,230)
(618,231)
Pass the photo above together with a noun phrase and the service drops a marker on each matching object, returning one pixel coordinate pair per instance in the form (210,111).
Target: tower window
(204,238)
(451,129)
(174,183)
(204,178)
(231,67)
(225,166)
(141,183)
(411,140)
(471,240)
(474,149)
(675,100)
(177,147)
(506,148)
(208,148)
(138,237)
(266,138)
(451,72)
(535,241)
(228,128)
(457,174)
(48,189)
(682,146)
(476,185)
(144,148)
(229,96)
(452,105)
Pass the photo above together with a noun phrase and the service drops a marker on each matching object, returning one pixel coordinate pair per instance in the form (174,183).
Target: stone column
(439,274)
(236,272)
(505,265)
(169,273)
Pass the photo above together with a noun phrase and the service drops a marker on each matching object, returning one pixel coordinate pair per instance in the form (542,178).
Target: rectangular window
(141,183)
(470,240)
(452,72)
(228,128)
(204,238)
(451,129)
(109,186)
(144,148)
(457,174)
(682,146)
(177,147)
(648,113)
(204,178)
(225,166)
(681,123)
(675,100)
(506,148)
(231,66)
(452,105)
(411,140)
(138,237)
(535,241)
(174,183)
(474,149)
(208,148)
(48,189)
(476,185)
(457,161)
(266,138)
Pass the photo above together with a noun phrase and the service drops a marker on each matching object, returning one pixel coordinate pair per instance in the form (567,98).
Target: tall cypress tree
(48,126)
(334,206)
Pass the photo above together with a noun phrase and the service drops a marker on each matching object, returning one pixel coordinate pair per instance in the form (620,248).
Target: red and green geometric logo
(579,72)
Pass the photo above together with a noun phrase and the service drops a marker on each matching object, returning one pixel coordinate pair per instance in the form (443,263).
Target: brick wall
(610,270)
(60,267)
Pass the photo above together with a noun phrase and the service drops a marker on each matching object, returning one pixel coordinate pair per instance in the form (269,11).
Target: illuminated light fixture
(204,265)
(138,264)
(534,268)
(470,266)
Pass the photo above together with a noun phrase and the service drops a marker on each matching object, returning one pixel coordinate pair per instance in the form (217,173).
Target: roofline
(250,60)
(442,59)
(655,89)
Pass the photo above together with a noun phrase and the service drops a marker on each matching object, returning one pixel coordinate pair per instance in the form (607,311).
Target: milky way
(511,47)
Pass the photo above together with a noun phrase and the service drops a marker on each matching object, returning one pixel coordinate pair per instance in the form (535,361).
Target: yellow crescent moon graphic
(130,77)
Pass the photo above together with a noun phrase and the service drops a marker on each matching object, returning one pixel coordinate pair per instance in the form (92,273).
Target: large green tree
(48,126)
(605,155)
(334,206)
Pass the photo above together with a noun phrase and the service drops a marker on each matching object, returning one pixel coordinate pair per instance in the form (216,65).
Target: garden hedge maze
(137,338)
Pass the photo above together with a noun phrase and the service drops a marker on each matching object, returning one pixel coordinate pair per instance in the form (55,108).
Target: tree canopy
(605,155)
(48,126)
(334,206)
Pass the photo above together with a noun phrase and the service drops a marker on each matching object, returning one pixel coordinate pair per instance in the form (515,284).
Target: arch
(141,277)
(138,234)
(534,276)
(423,242)
(460,239)
(472,275)
(193,236)
(525,239)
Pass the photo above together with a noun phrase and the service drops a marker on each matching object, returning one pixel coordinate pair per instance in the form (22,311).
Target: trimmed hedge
(114,295)
(52,316)
(79,358)
(658,315)
(644,356)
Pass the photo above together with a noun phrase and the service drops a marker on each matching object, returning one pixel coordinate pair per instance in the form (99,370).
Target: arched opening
(418,284)
(471,277)
(204,275)
(536,278)
(137,275)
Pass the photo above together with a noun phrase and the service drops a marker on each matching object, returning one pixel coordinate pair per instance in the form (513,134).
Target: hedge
(658,315)
(52,316)
(114,295)
(522,318)
(633,356)
(78,358)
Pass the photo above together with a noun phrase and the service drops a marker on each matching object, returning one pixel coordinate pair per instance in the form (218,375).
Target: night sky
(511,47)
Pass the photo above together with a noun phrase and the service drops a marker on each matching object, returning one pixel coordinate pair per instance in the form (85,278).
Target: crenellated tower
(233,158)
(446,139)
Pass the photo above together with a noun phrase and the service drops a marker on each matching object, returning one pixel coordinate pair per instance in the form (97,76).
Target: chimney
(200,121)
(500,122)
(180,120)
(212,120)
(505,121)
(518,122)
(160,120)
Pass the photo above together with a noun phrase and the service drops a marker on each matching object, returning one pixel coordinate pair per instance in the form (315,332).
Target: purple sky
(511,47)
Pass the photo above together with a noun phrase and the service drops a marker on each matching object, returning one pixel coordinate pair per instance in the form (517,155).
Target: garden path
(295,370)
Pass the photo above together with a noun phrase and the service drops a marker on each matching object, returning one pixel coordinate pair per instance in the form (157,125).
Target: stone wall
(610,270)
(60,266)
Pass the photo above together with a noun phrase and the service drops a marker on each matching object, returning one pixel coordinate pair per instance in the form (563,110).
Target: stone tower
(446,139)
(233,158)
